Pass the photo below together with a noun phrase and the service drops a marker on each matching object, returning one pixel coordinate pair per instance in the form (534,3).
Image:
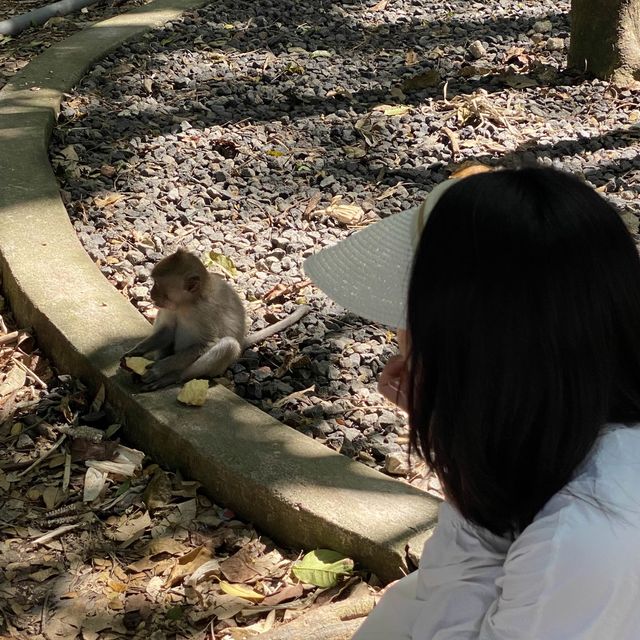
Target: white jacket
(572,574)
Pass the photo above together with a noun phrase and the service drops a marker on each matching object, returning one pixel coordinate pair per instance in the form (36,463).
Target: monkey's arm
(157,341)
(192,363)
(161,339)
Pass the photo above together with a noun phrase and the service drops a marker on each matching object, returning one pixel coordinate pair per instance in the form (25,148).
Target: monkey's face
(159,295)
(171,293)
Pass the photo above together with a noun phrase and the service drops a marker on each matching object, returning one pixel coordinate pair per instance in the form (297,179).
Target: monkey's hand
(169,370)
(132,353)
(158,375)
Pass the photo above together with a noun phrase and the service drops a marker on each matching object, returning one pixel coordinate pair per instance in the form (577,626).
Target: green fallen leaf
(226,264)
(175,613)
(321,53)
(274,153)
(123,488)
(398,110)
(323,568)
(355,152)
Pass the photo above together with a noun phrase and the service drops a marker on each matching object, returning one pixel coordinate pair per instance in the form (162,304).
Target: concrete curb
(295,489)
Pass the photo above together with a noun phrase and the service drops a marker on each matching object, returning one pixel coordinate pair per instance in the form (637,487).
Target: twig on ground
(44,456)
(41,383)
(47,537)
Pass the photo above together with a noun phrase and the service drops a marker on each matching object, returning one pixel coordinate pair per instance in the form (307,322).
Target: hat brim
(369,272)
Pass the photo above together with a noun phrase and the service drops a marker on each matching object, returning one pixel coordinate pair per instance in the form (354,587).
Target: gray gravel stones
(234,130)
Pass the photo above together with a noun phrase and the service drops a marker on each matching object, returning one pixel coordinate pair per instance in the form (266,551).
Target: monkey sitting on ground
(201,323)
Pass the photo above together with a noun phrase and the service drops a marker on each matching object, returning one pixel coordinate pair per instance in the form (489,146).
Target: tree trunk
(605,39)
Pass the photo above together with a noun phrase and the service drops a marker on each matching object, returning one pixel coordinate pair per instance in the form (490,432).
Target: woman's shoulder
(611,473)
(597,515)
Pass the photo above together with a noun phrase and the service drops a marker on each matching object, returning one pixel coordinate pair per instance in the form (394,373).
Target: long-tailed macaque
(201,323)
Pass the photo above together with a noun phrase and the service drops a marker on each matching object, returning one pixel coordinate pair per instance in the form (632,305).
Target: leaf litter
(97,541)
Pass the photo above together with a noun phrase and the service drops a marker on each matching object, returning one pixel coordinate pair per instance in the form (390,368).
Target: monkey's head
(178,280)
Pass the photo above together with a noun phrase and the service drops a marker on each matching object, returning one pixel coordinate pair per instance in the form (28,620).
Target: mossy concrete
(293,488)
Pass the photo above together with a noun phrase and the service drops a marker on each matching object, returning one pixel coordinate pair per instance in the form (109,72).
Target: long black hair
(524,325)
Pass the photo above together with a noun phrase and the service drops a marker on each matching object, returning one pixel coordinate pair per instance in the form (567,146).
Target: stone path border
(293,488)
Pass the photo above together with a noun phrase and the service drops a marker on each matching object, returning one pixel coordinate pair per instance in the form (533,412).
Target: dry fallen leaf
(130,527)
(238,567)
(427,80)
(13,381)
(158,492)
(393,109)
(104,201)
(345,213)
(187,564)
(518,80)
(280,291)
(240,591)
(381,5)
(125,469)
(84,449)
(94,481)
(289,592)
(470,170)
(211,567)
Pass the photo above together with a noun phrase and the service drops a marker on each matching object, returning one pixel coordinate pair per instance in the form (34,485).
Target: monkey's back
(218,313)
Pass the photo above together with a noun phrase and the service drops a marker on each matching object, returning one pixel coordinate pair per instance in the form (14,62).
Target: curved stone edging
(293,488)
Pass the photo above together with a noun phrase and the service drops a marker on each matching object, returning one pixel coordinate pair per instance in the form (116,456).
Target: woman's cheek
(392,383)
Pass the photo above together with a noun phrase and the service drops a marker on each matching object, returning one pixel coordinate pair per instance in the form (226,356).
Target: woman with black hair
(520,295)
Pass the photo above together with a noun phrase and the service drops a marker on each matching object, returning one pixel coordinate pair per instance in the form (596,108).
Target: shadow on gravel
(345,40)
(532,152)
(277,28)
(272,88)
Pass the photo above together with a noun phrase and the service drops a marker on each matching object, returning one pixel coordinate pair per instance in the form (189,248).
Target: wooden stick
(44,456)
(41,383)
(56,532)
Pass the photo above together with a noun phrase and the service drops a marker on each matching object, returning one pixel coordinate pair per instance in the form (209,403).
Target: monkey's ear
(192,283)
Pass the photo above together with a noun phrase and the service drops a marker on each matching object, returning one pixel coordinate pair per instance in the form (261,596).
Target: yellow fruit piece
(194,392)
(137,365)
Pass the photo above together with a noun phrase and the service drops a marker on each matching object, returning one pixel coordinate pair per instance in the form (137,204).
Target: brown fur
(201,323)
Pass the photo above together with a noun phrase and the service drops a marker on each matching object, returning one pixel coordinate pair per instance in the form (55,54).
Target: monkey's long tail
(263,334)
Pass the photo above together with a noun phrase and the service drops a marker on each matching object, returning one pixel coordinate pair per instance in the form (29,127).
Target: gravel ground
(244,128)
(17,51)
